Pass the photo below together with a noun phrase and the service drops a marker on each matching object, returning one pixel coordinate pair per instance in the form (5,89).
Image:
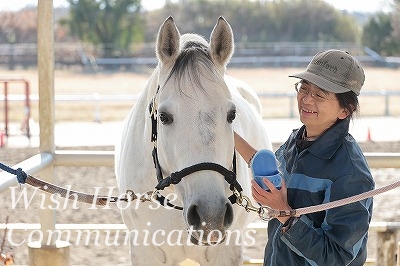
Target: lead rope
(24,178)
(267,213)
(352,199)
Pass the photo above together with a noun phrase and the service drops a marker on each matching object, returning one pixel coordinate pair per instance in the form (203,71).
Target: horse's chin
(194,239)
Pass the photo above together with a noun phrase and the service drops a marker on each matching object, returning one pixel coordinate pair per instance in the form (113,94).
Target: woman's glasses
(305,90)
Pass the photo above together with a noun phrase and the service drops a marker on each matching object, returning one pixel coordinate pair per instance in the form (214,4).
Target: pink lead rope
(267,213)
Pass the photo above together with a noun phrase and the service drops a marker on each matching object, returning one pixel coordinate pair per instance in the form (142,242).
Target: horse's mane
(192,64)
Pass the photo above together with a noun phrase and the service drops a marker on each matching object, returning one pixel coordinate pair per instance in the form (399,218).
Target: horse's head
(194,123)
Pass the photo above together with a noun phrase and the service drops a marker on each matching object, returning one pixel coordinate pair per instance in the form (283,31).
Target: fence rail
(106,158)
(96,98)
(246,54)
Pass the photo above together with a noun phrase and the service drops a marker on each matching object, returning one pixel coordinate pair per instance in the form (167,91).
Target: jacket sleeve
(340,237)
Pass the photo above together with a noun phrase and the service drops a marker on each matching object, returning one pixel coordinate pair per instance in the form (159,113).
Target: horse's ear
(167,48)
(221,42)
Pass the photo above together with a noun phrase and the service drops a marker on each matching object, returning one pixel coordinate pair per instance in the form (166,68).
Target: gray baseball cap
(335,71)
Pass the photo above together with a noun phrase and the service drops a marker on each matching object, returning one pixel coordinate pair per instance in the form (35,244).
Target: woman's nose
(308,97)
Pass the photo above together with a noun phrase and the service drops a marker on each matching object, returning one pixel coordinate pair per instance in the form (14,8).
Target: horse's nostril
(193,217)
(228,215)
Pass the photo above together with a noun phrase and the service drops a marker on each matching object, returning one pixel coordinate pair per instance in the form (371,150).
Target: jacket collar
(328,143)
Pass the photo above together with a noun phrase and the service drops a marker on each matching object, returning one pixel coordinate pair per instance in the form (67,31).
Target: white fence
(96,99)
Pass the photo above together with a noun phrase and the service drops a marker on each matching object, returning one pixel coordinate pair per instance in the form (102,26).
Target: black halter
(176,177)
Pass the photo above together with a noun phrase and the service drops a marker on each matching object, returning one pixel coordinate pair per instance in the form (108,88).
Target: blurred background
(100,34)
(104,51)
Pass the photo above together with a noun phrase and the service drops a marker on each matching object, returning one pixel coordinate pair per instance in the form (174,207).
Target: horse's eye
(166,119)
(231,116)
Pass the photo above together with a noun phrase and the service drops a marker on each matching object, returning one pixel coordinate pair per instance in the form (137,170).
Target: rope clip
(266,213)
(149,196)
(129,196)
(245,202)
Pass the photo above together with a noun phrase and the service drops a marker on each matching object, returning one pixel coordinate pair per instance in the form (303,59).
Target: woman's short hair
(349,101)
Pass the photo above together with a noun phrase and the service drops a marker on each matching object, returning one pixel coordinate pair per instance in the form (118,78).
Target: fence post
(291,104)
(97,115)
(398,254)
(387,112)
(386,244)
(6,108)
(27,117)
(49,251)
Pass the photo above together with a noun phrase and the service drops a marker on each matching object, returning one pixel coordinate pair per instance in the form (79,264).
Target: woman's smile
(307,111)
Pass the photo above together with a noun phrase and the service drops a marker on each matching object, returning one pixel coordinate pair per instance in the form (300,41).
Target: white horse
(194,105)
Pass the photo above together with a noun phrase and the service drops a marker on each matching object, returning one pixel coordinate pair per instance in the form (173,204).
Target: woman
(320,162)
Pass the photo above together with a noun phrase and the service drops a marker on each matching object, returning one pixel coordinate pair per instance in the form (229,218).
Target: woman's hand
(275,199)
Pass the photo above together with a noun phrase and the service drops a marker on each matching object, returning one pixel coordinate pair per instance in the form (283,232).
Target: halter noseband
(176,177)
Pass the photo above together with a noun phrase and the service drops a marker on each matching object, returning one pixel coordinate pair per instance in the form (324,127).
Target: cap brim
(320,82)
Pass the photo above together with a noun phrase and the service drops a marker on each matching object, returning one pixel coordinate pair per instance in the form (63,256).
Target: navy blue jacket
(331,168)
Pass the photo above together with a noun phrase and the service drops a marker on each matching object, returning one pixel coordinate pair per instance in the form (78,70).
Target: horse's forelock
(193,59)
(194,44)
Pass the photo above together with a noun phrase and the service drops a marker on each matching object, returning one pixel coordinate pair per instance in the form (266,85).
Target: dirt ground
(85,178)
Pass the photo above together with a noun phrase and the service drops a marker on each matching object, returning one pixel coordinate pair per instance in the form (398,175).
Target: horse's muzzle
(209,227)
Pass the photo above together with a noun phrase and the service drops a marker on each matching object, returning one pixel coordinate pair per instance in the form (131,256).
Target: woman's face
(318,109)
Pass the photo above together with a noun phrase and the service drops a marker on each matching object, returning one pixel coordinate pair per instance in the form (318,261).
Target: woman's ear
(343,113)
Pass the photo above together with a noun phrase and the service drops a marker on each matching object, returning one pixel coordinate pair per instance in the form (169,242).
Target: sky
(349,5)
